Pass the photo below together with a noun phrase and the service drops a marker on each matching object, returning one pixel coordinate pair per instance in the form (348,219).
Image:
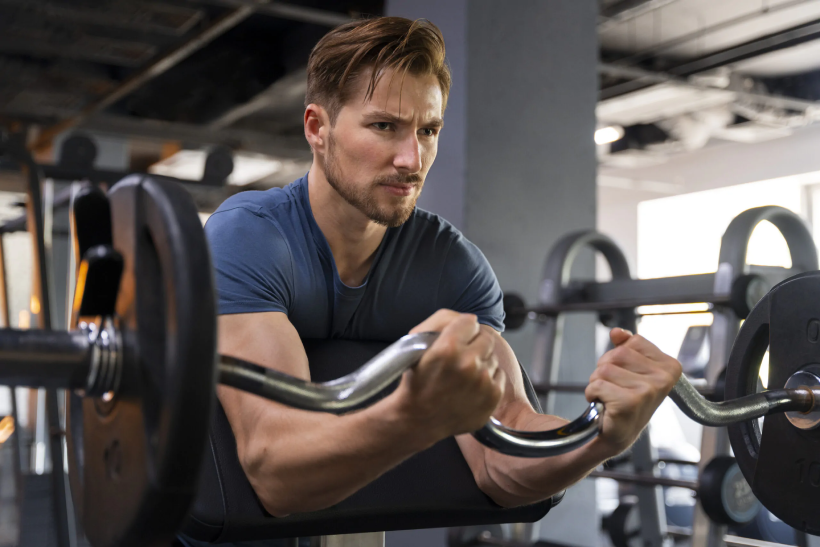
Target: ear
(317,126)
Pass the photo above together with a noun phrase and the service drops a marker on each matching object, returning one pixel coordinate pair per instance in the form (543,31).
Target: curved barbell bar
(345,393)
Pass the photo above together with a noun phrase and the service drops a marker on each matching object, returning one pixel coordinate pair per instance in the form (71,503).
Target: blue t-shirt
(270,256)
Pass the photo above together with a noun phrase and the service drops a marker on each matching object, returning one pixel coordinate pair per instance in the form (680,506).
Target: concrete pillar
(516,166)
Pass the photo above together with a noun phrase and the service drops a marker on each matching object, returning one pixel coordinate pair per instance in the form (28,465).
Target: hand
(631,380)
(457,384)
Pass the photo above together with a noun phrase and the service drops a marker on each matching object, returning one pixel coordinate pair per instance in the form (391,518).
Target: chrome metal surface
(105,365)
(739,410)
(808,377)
(347,392)
(541,444)
(337,396)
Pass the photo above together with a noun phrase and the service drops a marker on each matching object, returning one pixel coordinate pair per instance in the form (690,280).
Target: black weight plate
(781,462)
(624,525)
(725,494)
(134,462)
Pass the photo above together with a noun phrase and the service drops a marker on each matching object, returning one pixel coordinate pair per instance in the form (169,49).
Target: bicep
(267,339)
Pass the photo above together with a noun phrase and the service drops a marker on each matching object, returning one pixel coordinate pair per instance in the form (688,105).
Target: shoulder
(260,203)
(446,237)
(427,227)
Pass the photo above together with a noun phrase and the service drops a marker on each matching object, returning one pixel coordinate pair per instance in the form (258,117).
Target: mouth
(399,189)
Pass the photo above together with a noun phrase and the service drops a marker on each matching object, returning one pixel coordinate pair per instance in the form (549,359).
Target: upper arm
(252,262)
(469,285)
(270,340)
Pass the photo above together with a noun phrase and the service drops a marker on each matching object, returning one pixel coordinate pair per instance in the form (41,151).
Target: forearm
(300,461)
(512,481)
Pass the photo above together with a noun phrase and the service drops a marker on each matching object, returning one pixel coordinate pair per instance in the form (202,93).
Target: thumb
(619,336)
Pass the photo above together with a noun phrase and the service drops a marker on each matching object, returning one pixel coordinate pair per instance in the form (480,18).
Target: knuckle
(606,370)
(448,349)
(619,354)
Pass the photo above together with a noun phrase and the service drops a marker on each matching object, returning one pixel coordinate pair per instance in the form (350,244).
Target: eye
(429,132)
(382,126)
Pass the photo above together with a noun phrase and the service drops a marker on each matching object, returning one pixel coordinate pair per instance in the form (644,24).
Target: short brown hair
(380,43)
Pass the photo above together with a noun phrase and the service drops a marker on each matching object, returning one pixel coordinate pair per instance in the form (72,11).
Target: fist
(631,381)
(457,384)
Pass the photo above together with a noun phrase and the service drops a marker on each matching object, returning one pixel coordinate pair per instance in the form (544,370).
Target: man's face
(379,151)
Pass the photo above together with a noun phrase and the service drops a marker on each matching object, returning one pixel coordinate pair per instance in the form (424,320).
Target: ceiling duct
(147,17)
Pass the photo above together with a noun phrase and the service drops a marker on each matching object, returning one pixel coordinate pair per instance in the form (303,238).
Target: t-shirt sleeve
(252,263)
(469,285)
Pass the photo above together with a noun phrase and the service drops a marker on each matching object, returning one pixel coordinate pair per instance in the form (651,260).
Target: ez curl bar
(141,366)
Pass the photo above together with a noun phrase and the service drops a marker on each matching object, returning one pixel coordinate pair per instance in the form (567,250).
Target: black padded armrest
(432,489)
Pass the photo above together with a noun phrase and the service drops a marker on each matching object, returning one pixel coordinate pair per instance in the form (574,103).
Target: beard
(364,199)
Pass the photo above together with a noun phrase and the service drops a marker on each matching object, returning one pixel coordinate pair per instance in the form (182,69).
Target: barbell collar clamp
(87,360)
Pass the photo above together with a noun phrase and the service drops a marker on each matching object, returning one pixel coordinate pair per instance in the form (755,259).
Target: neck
(353,238)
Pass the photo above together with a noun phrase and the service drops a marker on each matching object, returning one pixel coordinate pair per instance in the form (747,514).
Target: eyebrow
(383,115)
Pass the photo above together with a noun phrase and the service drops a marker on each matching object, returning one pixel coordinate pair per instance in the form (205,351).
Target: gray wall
(517,158)
(532,89)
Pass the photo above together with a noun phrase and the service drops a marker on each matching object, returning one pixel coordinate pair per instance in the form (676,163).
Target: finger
(604,392)
(621,377)
(644,346)
(436,322)
(463,329)
(618,336)
(628,358)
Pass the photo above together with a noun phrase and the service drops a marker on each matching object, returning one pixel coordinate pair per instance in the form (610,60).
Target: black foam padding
(433,489)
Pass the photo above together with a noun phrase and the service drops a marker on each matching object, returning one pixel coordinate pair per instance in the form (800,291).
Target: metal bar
(218,28)
(293,12)
(44,358)
(626,10)
(698,384)
(17,447)
(641,78)
(653,51)
(5,311)
(233,138)
(282,90)
(631,293)
(644,479)
(775,41)
(155,17)
(19,224)
(40,295)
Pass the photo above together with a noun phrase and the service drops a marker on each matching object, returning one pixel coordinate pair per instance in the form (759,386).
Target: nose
(408,156)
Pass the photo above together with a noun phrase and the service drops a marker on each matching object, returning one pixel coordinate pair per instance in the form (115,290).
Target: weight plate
(623,525)
(134,460)
(780,462)
(724,493)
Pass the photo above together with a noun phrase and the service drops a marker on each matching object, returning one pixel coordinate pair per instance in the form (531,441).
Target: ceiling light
(609,134)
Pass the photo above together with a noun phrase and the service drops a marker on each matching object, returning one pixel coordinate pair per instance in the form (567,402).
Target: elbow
(501,486)
(266,479)
(275,483)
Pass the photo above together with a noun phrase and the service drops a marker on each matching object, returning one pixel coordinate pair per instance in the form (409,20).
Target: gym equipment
(721,488)
(725,291)
(434,488)
(779,459)
(146,373)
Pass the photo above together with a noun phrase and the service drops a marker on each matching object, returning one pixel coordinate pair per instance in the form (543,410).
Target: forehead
(404,95)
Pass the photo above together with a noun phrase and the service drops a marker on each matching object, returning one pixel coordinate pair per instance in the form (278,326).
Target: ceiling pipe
(653,51)
(647,77)
(160,66)
(625,10)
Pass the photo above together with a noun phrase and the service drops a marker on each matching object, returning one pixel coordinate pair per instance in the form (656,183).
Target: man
(344,253)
